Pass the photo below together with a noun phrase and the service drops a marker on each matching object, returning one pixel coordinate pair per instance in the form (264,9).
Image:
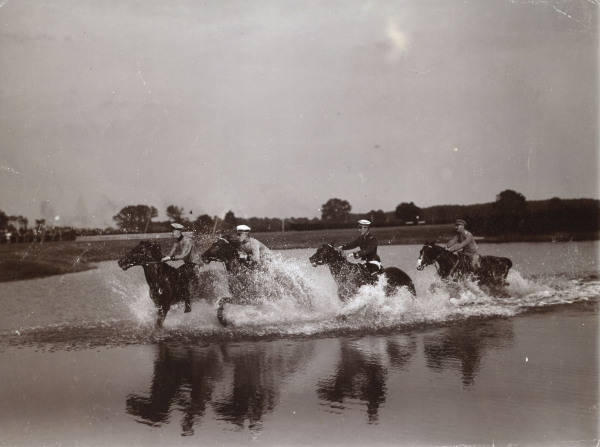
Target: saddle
(464,265)
(369,270)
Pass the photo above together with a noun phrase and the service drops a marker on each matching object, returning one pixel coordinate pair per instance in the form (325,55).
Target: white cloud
(397,39)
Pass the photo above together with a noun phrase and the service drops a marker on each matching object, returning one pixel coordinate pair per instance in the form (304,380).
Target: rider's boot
(188,306)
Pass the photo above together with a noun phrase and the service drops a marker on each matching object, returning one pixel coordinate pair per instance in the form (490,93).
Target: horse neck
(445,262)
(338,266)
(153,272)
(231,265)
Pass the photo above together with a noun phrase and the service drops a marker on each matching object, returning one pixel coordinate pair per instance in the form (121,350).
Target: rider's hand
(165,259)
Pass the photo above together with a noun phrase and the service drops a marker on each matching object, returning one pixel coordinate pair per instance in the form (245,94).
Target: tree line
(510,213)
(15,229)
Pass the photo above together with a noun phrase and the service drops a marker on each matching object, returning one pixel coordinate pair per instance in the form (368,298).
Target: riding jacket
(184,249)
(465,242)
(368,247)
(254,250)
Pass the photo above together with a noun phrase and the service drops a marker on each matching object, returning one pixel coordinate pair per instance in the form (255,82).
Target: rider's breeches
(476,261)
(373,266)
(188,274)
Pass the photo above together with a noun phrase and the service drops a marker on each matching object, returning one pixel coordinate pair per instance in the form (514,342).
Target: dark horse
(349,276)
(250,281)
(492,273)
(167,284)
(240,273)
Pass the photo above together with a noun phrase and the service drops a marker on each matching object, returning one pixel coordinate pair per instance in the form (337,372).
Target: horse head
(224,249)
(325,254)
(429,254)
(143,253)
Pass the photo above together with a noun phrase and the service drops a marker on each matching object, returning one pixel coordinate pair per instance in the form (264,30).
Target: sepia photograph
(299,223)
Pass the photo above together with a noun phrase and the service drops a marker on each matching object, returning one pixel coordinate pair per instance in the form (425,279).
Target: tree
(174,213)
(335,210)
(408,212)
(377,217)
(3,219)
(22,222)
(229,221)
(509,212)
(203,223)
(135,218)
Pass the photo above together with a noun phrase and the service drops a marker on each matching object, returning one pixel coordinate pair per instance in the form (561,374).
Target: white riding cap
(364,222)
(177,226)
(242,228)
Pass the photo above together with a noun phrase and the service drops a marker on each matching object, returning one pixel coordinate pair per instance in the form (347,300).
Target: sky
(270,108)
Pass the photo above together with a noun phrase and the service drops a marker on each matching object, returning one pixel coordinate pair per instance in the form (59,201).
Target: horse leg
(186,299)
(161,314)
(220,309)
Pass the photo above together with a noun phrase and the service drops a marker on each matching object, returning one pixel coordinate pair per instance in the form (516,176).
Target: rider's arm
(351,245)
(255,250)
(452,241)
(468,239)
(369,247)
(172,252)
(186,246)
(265,251)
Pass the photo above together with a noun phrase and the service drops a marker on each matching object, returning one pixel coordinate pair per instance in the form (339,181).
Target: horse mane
(154,248)
(231,238)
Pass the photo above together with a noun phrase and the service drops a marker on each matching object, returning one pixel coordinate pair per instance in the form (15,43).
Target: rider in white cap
(183,250)
(368,247)
(251,249)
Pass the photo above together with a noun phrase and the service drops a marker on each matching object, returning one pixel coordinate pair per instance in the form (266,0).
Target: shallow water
(82,364)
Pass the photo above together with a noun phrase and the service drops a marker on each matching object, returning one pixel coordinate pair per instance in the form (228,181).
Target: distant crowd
(30,235)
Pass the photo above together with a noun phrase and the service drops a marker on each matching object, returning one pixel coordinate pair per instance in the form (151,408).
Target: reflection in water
(258,373)
(361,374)
(183,376)
(188,378)
(463,346)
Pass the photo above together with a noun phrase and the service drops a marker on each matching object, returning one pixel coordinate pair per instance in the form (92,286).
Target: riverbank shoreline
(36,260)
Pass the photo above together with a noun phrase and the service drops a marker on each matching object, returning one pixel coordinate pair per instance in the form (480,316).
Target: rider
(464,243)
(368,248)
(251,249)
(183,250)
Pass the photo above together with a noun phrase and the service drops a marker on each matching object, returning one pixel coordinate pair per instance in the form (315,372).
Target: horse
(349,276)
(249,280)
(492,273)
(167,284)
(240,273)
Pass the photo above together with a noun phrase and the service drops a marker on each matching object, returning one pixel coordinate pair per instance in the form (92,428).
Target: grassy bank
(25,261)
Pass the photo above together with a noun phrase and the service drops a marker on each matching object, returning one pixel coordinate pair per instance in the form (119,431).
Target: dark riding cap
(461,222)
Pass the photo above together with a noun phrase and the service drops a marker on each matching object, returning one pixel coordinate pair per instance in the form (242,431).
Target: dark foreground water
(80,363)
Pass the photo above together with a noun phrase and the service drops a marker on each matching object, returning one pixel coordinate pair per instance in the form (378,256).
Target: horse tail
(508,264)
(399,278)
(411,289)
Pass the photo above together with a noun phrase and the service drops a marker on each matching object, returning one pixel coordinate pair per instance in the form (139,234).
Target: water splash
(298,300)
(295,299)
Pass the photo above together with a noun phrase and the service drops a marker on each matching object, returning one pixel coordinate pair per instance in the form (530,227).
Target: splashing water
(294,299)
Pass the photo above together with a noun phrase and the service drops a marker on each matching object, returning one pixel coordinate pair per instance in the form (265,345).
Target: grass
(26,261)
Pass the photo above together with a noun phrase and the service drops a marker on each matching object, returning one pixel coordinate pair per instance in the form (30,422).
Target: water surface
(82,364)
